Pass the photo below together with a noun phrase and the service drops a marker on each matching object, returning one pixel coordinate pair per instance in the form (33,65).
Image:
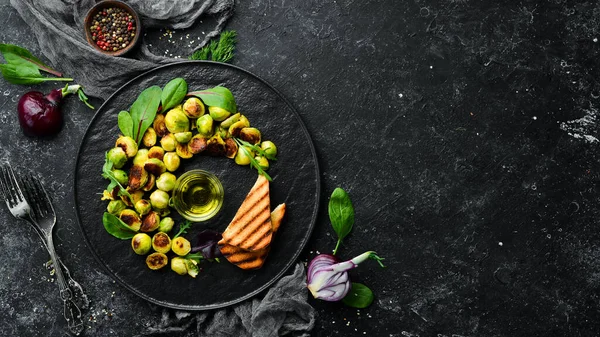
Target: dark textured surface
(465,132)
(295,182)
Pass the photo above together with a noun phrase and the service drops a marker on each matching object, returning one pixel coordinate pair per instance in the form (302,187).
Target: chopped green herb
(219,51)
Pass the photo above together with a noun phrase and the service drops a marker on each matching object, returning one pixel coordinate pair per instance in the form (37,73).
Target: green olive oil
(198,195)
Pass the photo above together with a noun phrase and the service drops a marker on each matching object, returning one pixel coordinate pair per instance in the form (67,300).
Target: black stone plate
(295,181)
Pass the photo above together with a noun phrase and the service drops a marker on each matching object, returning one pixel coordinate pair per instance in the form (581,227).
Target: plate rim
(265,286)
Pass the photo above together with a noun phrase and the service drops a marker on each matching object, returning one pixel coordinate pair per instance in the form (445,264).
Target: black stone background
(465,133)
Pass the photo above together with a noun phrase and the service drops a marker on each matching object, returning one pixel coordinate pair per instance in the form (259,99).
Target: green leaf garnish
(116,227)
(143,111)
(125,123)
(341,215)
(218,96)
(360,296)
(173,93)
(24,68)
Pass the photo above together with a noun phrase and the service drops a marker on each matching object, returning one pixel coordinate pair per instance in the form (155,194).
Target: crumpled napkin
(58,27)
(283,311)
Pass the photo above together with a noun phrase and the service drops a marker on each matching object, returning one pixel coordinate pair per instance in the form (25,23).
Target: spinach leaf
(341,214)
(20,56)
(117,228)
(218,96)
(126,124)
(143,111)
(360,296)
(24,68)
(173,93)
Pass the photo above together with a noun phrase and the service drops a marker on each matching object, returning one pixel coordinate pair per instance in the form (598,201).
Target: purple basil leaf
(207,244)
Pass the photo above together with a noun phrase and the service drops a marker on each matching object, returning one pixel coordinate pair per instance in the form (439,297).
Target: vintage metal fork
(41,214)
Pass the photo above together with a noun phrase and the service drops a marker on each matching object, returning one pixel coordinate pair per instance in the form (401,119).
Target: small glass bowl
(198,195)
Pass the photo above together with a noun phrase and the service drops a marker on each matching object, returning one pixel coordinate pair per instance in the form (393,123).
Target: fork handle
(72,313)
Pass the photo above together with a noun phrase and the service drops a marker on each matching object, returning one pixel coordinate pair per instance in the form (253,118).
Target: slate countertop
(466,135)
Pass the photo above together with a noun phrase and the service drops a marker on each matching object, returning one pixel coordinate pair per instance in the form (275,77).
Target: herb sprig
(183,228)
(219,51)
(107,173)
(253,162)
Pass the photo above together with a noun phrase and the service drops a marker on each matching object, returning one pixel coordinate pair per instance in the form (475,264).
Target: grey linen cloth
(58,26)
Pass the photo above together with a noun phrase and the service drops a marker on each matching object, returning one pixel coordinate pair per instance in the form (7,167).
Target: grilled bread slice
(251,227)
(252,260)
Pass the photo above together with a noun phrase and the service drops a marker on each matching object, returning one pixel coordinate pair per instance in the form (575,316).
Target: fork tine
(13,190)
(3,188)
(38,194)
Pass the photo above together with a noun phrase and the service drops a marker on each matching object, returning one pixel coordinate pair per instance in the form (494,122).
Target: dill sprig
(253,162)
(219,51)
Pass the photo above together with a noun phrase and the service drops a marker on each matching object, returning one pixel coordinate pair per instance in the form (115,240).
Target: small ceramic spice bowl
(112,27)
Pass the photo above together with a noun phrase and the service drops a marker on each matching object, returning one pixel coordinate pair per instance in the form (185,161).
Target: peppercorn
(108,27)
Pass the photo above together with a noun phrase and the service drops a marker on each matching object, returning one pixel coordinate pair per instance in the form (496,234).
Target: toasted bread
(251,227)
(252,260)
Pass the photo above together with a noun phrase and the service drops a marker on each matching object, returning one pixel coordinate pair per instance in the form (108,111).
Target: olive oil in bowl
(198,195)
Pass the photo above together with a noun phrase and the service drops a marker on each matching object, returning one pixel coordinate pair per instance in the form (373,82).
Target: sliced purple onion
(328,279)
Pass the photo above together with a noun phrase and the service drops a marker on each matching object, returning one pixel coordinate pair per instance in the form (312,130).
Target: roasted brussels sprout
(183,137)
(156,152)
(117,156)
(166,224)
(262,162)
(231,148)
(176,120)
(243,155)
(156,261)
(161,242)
(179,265)
(138,177)
(159,125)
(150,222)
(141,157)
(172,161)
(181,246)
(121,176)
(205,126)
(269,148)
(223,132)
(143,207)
(149,186)
(215,146)
(141,243)
(131,219)
(136,195)
(193,107)
(128,145)
(230,120)
(197,144)
(218,114)
(149,138)
(251,135)
(192,267)
(183,151)
(155,166)
(168,142)
(166,182)
(159,199)
(115,207)
(235,128)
